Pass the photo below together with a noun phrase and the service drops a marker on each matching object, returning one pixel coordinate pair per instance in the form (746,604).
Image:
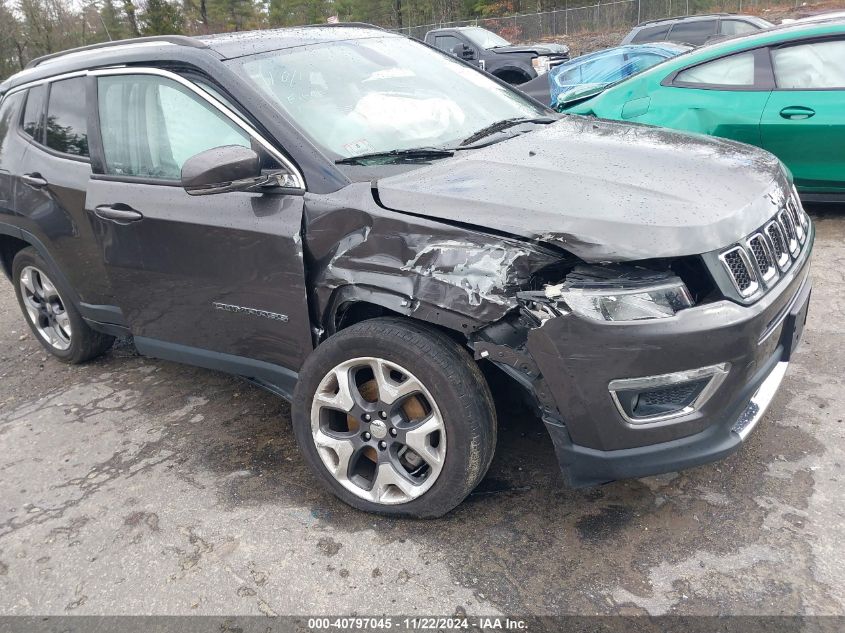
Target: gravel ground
(132,486)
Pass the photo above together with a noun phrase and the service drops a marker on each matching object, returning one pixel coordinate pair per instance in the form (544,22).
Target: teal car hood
(604,191)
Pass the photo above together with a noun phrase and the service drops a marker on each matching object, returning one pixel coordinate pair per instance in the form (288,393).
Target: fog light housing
(656,399)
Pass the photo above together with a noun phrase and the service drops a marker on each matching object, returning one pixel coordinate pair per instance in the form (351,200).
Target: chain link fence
(616,15)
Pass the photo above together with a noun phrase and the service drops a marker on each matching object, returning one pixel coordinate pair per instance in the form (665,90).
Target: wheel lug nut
(394,432)
(367,436)
(367,417)
(383,414)
(382,445)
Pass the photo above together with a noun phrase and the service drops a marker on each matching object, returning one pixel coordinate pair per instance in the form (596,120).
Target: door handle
(34,180)
(797,112)
(120,213)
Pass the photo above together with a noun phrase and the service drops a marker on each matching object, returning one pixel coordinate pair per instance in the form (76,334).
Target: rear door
(803,123)
(722,97)
(11,151)
(50,195)
(220,273)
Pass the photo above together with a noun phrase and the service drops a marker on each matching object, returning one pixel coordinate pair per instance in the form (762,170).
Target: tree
(11,42)
(160,17)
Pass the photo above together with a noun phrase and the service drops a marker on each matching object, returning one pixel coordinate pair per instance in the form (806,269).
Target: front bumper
(579,359)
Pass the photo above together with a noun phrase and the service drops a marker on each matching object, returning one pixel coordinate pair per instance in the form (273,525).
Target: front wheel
(395,418)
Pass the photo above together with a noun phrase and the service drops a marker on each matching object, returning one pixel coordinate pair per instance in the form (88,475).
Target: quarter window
(813,66)
(67,117)
(736,70)
(695,32)
(736,27)
(651,34)
(152,125)
(33,115)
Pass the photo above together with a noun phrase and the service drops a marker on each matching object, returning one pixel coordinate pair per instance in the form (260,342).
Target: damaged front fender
(453,276)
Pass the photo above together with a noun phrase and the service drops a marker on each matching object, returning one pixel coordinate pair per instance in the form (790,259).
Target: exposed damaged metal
(462,278)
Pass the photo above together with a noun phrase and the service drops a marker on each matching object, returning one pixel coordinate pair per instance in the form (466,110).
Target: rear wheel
(56,323)
(395,418)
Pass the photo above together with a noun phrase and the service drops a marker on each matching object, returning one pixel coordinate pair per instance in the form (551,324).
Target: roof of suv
(222,46)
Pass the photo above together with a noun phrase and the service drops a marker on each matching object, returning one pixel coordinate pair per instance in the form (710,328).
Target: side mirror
(222,169)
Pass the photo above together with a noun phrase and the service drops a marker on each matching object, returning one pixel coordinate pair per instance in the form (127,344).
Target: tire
(55,321)
(431,397)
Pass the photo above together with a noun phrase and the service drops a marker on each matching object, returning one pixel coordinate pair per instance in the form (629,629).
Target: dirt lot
(133,486)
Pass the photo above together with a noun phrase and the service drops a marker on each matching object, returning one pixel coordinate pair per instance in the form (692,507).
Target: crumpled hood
(604,191)
(539,49)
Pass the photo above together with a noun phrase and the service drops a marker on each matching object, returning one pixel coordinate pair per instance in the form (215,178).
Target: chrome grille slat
(756,263)
(763,257)
(792,208)
(788,228)
(778,241)
(741,271)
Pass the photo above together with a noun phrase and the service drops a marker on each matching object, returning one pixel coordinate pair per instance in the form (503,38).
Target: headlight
(621,293)
(540,64)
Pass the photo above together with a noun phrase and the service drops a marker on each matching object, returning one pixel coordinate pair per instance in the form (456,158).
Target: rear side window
(152,125)
(33,114)
(736,27)
(652,34)
(8,107)
(814,66)
(736,70)
(67,117)
(695,32)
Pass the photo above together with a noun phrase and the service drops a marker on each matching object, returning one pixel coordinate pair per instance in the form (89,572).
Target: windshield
(484,38)
(375,95)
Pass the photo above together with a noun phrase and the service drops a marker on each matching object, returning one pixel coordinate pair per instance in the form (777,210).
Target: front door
(220,273)
(803,122)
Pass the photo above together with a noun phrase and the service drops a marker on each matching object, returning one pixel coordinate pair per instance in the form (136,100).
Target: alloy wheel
(45,308)
(378,430)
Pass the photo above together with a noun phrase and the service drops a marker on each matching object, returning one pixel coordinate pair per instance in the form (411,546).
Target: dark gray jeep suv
(361,224)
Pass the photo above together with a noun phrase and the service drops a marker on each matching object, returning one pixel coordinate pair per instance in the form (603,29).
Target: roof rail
(181,40)
(346,24)
(684,17)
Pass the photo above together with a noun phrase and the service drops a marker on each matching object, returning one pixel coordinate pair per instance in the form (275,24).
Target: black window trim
(802,42)
(693,21)
(41,144)
(22,114)
(763,72)
(763,78)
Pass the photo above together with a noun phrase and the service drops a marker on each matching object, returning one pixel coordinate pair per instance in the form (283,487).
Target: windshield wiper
(504,124)
(415,153)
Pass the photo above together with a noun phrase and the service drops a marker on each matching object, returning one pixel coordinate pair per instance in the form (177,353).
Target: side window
(447,43)
(736,27)
(152,125)
(33,114)
(569,78)
(651,34)
(8,107)
(67,122)
(734,71)
(694,32)
(814,66)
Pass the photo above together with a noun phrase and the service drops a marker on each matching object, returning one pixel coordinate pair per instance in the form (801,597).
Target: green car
(782,89)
